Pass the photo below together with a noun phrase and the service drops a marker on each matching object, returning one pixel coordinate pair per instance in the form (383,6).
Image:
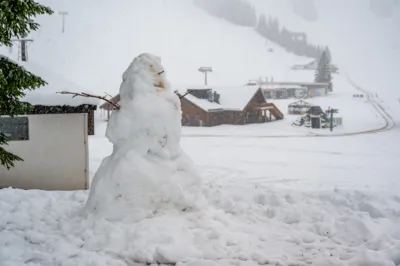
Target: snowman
(148,172)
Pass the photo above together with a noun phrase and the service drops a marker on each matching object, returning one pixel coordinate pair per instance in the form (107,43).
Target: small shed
(298,107)
(315,110)
(45,99)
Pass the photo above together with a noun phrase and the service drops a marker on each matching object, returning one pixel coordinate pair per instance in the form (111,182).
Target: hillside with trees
(237,12)
(294,42)
(242,13)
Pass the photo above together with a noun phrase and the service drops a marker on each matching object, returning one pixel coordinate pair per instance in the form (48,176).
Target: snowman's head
(148,68)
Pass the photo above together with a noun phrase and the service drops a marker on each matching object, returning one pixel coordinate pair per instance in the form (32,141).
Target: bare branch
(75,94)
(108,95)
(181,96)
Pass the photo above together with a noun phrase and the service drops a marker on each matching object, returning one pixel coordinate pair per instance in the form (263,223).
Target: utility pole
(332,111)
(205,70)
(63,14)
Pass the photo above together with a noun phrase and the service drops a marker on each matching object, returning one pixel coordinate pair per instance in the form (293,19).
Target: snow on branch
(75,94)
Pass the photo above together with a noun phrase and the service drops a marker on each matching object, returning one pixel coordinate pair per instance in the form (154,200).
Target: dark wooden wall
(191,114)
(66,109)
(226,118)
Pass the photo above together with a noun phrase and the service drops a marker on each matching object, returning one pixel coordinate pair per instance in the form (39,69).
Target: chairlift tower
(63,14)
(205,70)
(23,48)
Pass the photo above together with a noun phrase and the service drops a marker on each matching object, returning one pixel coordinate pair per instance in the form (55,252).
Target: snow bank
(243,226)
(147,171)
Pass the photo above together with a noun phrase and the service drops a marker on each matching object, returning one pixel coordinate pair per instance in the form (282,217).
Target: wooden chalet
(227,105)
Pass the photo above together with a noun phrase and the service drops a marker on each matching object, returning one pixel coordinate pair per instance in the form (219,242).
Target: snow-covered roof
(47,95)
(203,103)
(234,98)
(300,103)
(300,83)
(281,86)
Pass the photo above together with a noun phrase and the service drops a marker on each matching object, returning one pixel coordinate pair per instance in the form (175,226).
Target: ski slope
(363,45)
(102,43)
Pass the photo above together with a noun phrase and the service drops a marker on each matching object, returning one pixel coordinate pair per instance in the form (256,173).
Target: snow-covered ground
(269,201)
(273,196)
(325,201)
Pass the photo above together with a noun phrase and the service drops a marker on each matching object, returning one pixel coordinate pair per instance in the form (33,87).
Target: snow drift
(147,171)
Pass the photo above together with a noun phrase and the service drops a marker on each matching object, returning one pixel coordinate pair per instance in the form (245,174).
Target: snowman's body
(147,171)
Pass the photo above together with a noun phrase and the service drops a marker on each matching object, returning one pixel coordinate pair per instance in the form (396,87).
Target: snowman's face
(156,70)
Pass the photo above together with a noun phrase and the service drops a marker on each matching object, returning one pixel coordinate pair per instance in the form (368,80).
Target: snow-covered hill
(360,41)
(101,39)
(364,45)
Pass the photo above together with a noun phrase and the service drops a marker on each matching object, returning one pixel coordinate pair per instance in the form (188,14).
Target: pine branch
(16,18)
(75,94)
(7,159)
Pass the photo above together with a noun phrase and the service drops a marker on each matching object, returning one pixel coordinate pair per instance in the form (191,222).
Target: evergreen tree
(253,16)
(275,29)
(16,21)
(285,38)
(240,12)
(262,25)
(270,22)
(328,55)
(323,72)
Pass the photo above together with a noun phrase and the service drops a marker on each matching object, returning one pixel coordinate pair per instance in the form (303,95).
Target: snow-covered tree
(147,172)
(16,21)
(328,55)
(323,71)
